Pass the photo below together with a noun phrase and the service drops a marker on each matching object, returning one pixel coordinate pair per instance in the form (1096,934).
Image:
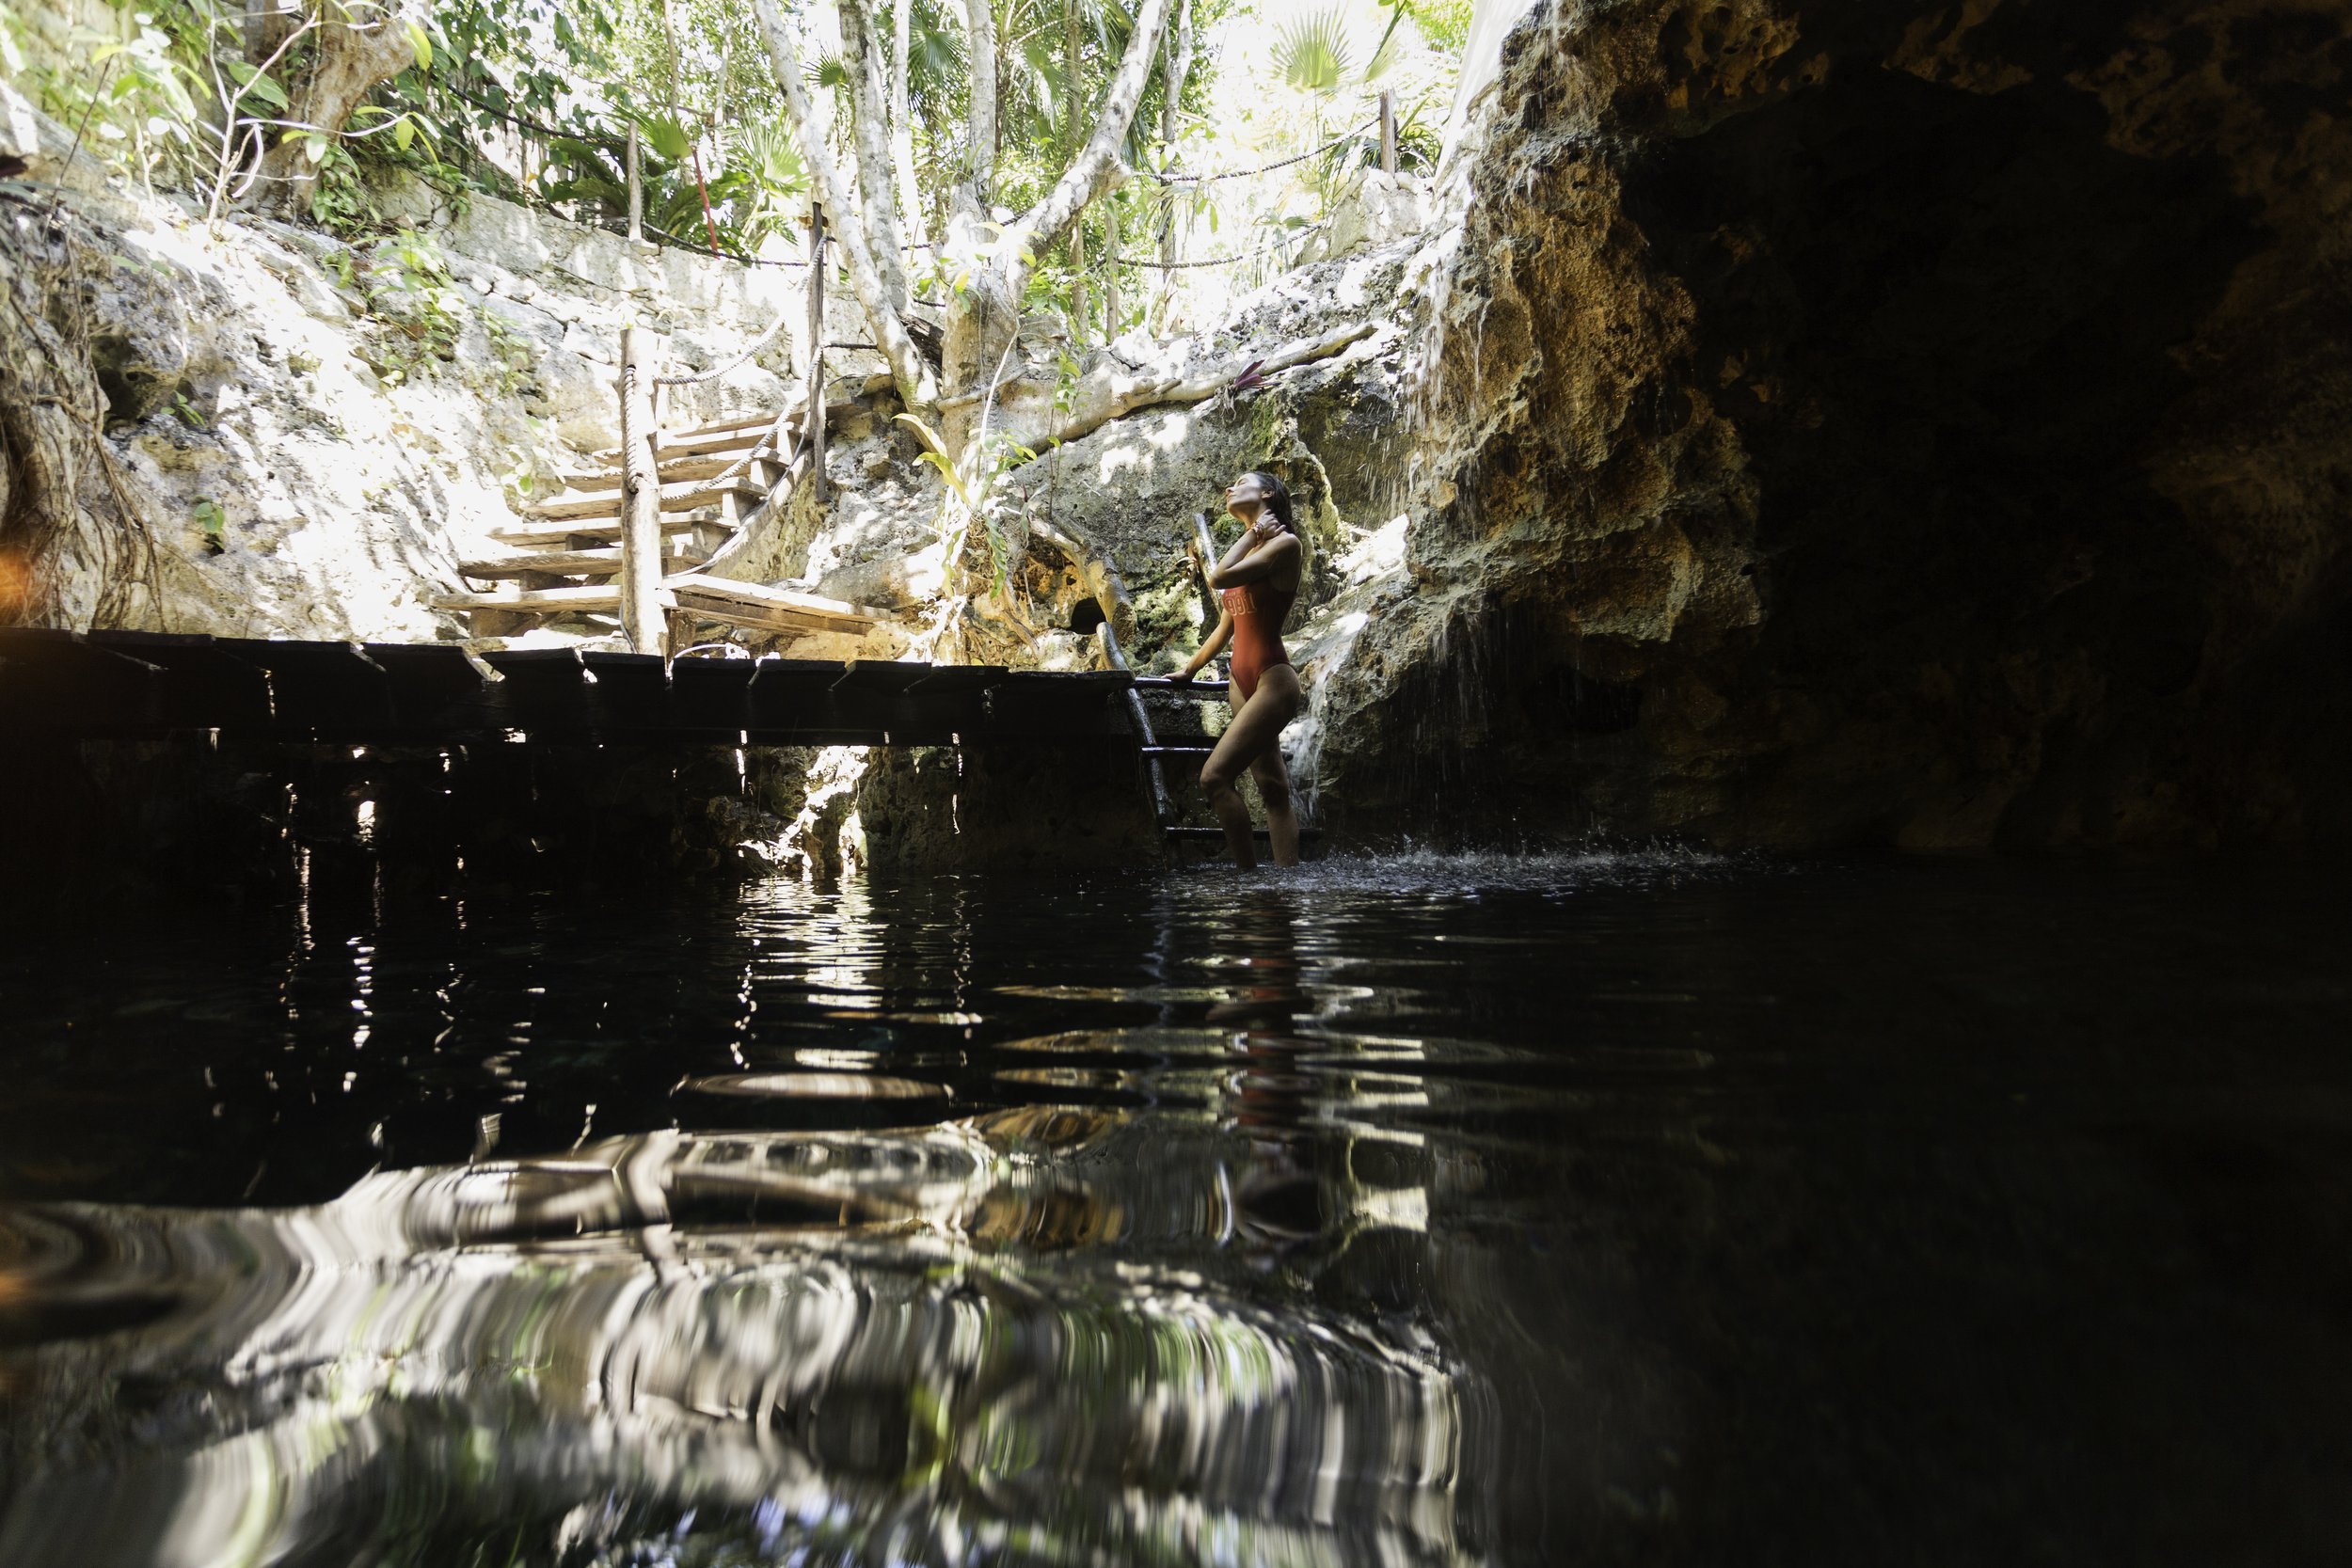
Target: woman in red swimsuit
(1257,581)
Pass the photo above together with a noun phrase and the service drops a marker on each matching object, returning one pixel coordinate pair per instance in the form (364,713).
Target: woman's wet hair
(1277,496)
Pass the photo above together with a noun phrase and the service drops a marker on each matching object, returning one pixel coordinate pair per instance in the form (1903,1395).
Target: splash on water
(1466,874)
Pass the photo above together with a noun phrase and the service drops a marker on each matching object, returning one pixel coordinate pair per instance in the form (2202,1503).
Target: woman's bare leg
(1273,789)
(1256,729)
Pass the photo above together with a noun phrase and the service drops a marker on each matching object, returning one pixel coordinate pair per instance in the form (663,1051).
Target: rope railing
(1168,177)
(1217,261)
(735,364)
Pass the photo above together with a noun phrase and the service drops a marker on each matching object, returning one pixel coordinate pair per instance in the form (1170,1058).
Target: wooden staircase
(565,560)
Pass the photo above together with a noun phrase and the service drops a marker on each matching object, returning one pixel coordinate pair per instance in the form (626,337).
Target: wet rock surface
(1906,425)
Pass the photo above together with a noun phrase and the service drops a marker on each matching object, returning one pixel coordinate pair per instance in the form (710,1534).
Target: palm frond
(1311,52)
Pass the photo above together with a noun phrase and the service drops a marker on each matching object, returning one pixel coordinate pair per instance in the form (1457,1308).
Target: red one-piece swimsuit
(1257,610)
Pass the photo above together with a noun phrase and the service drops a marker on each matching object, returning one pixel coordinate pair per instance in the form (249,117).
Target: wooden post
(636,191)
(1387,132)
(641,621)
(815,414)
(1205,559)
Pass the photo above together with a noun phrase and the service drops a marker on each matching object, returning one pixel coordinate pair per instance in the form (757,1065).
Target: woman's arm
(1244,543)
(1210,648)
(1252,565)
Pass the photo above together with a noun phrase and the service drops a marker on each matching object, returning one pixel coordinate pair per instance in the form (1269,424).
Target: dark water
(1610,1208)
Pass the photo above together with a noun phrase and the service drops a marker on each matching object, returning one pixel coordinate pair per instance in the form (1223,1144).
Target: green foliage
(404,287)
(1444,24)
(135,101)
(212,522)
(1311,52)
(749,190)
(488,58)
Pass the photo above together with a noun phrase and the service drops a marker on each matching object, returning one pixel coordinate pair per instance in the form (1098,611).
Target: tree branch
(1097,170)
(902,123)
(917,389)
(1099,400)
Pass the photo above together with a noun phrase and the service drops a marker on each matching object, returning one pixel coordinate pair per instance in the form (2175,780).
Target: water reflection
(1417,1210)
(993,1337)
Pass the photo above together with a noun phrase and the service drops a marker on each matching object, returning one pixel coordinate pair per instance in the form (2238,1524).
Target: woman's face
(1245,496)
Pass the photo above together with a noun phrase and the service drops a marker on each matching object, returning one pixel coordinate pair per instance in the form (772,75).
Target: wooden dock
(134,685)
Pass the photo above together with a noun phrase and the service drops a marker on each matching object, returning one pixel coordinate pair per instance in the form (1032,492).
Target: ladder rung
(1177,750)
(1165,683)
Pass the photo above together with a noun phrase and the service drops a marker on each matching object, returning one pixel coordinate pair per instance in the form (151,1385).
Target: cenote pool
(1613,1208)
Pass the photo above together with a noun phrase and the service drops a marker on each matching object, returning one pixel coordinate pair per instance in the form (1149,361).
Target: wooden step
(674,444)
(536,601)
(745,422)
(764,608)
(675,498)
(836,409)
(600,562)
(559,534)
(720,440)
(672,450)
(742,603)
(679,470)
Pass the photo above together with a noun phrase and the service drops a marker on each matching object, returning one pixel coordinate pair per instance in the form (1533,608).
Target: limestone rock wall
(1328,428)
(294,441)
(1902,424)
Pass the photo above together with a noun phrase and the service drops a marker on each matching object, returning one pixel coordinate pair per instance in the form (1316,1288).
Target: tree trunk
(1179,71)
(360,46)
(917,389)
(1074,93)
(902,123)
(978,186)
(984,314)
(869,133)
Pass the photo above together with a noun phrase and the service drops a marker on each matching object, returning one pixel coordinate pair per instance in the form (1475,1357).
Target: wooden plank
(756,617)
(712,598)
(850,615)
(723,438)
(577,564)
(673,449)
(537,601)
(745,422)
(675,498)
(735,443)
(674,471)
(563,532)
(764,609)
